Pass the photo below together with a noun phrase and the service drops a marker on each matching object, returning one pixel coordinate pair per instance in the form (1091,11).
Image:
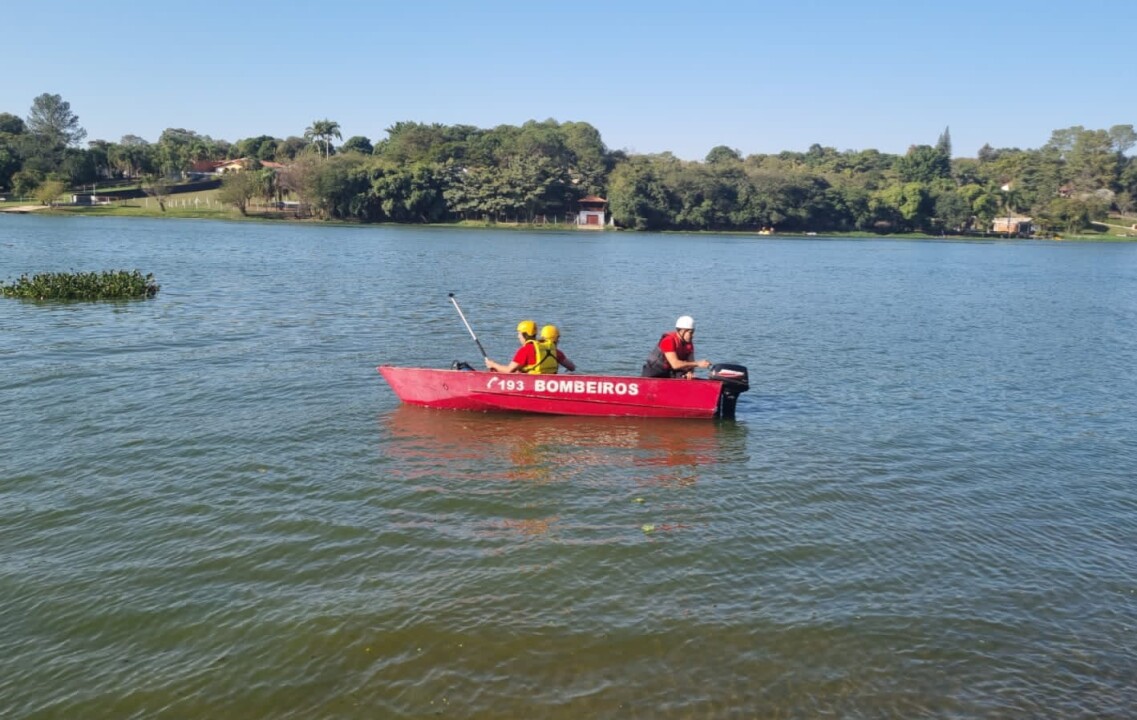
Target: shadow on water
(557,448)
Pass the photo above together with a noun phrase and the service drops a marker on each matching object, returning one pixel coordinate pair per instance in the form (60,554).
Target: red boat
(597,395)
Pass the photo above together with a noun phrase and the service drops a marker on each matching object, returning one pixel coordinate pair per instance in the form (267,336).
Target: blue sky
(757,76)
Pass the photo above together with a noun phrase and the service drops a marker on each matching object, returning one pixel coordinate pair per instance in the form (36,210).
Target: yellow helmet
(528,328)
(550,333)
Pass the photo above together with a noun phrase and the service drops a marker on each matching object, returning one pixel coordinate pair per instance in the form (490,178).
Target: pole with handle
(464,322)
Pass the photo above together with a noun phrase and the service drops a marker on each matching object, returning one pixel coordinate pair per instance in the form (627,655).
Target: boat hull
(593,395)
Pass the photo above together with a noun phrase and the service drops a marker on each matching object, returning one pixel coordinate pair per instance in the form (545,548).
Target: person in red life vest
(672,356)
(537,356)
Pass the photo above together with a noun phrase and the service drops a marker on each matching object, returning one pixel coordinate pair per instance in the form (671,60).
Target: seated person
(535,356)
(671,357)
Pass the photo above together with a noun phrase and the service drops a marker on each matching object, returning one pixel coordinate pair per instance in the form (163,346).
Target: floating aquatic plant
(106,285)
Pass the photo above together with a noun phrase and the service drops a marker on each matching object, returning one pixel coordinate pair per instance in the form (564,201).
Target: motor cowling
(735,380)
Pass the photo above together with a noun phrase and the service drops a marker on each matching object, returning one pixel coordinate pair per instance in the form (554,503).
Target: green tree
(952,211)
(290,148)
(868,165)
(51,118)
(923,164)
(81,167)
(178,148)
(537,139)
(132,156)
(12,124)
(238,188)
(268,180)
(342,186)
(322,131)
(98,152)
(10,163)
(409,194)
(638,197)
(482,193)
(909,202)
(1128,181)
(461,193)
(1124,203)
(300,178)
(590,161)
(766,206)
(707,195)
(535,185)
(425,200)
(1123,138)
(262,147)
(966,171)
(983,201)
(817,157)
(158,188)
(359,144)
(1092,161)
(943,145)
(721,154)
(1062,141)
(25,182)
(800,201)
(849,208)
(48,192)
(411,142)
(1073,214)
(38,155)
(1033,176)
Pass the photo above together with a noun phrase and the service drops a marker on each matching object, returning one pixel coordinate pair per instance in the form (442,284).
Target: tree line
(430,173)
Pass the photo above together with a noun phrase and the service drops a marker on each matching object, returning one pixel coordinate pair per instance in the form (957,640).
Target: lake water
(212,506)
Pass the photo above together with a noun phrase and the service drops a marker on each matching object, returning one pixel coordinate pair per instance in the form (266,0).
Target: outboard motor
(735,381)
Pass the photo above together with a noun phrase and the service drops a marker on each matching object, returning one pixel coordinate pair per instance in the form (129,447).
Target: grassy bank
(205,205)
(188,205)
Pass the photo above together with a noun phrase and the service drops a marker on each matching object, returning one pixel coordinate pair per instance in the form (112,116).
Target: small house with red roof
(220,167)
(206,167)
(591,212)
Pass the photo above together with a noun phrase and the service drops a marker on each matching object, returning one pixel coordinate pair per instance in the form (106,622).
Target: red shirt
(672,343)
(526,355)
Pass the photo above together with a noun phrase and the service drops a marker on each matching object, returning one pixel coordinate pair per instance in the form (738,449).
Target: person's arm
(521,358)
(563,360)
(512,367)
(684,365)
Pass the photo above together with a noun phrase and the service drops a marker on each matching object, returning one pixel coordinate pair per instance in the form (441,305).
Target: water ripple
(212,506)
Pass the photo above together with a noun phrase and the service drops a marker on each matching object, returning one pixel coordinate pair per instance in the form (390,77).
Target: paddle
(479,342)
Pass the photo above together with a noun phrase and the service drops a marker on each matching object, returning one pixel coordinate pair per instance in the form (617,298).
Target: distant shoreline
(215,212)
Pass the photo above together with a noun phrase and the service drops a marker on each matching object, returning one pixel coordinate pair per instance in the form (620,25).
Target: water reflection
(543,449)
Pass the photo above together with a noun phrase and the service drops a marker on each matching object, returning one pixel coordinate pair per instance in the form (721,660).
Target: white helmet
(685,322)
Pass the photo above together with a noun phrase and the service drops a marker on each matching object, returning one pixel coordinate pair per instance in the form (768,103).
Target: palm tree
(324,131)
(1012,199)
